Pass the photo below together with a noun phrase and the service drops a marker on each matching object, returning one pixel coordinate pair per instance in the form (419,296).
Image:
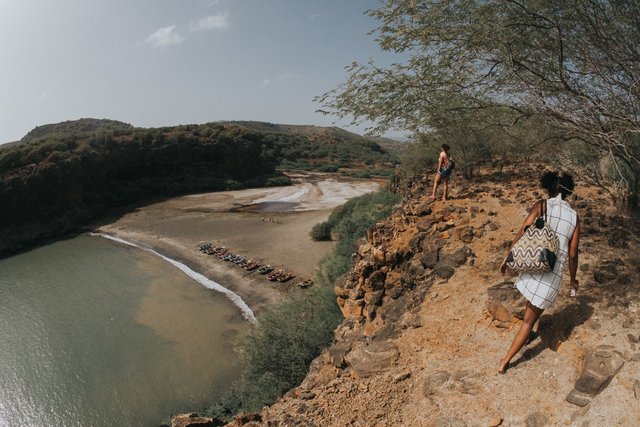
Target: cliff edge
(428,318)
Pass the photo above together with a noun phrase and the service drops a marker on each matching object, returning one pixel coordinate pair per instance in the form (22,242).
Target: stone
(495,421)
(425,225)
(492,226)
(379,256)
(307,395)
(337,353)
(423,209)
(429,258)
(444,226)
(632,338)
(443,271)
(459,257)
(505,303)
(246,418)
(375,282)
(401,377)
(341,292)
(373,297)
(364,249)
(352,309)
(465,233)
(450,422)
(636,389)
(370,359)
(537,419)
(194,420)
(635,357)
(434,381)
(600,366)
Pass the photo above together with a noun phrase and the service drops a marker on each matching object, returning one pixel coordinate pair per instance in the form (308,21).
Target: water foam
(206,282)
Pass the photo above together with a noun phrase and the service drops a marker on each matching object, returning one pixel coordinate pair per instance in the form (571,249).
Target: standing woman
(443,173)
(541,289)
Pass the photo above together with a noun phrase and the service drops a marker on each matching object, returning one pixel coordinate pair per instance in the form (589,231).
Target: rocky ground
(428,318)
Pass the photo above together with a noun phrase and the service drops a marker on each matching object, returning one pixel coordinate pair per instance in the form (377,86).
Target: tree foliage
(571,68)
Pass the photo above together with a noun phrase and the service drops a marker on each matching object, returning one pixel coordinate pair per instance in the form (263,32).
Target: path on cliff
(427,321)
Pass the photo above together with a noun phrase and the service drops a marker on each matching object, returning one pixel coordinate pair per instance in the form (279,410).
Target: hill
(427,318)
(61,175)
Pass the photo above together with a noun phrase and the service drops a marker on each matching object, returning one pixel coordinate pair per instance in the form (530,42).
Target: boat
(266,269)
(305,284)
(251,266)
(274,276)
(285,276)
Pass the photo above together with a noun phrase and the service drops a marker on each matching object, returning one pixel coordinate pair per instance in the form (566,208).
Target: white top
(541,289)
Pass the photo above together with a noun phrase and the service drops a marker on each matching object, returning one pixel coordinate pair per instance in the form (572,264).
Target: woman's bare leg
(531,315)
(445,184)
(436,181)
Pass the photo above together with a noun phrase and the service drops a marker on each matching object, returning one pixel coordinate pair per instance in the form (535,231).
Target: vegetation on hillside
(60,175)
(509,79)
(288,337)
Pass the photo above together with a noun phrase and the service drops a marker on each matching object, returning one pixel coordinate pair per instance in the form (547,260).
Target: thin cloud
(211,22)
(165,36)
(281,78)
(314,17)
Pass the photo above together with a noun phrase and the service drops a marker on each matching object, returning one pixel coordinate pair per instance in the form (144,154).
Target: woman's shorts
(444,172)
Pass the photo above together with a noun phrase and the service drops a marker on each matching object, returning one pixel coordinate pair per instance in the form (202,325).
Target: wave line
(247,313)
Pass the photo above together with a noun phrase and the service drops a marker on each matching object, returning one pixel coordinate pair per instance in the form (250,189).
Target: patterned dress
(541,289)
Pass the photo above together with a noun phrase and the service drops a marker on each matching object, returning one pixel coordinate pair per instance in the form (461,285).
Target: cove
(97,333)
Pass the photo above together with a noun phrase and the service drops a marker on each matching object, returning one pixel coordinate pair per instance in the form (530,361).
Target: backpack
(452,164)
(536,251)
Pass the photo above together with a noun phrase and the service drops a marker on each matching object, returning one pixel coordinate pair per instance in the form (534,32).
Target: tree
(574,66)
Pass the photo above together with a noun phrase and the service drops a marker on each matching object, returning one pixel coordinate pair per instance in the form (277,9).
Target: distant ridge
(62,175)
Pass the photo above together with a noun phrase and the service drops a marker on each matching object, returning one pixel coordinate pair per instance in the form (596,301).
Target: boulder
(194,420)
(600,366)
(245,418)
(505,303)
(370,359)
(537,419)
(465,233)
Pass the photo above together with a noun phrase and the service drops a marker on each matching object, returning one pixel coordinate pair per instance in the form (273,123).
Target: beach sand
(268,225)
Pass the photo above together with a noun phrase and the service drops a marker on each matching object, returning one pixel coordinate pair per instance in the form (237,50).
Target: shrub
(321,232)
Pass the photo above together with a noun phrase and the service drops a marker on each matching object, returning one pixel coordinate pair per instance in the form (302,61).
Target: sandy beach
(268,225)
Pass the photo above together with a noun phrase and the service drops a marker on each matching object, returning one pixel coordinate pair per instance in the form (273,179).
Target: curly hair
(555,183)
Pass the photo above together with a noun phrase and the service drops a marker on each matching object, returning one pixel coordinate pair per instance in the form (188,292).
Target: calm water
(93,333)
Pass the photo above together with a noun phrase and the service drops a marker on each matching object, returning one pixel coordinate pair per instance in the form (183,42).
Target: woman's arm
(439,165)
(535,212)
(573,254)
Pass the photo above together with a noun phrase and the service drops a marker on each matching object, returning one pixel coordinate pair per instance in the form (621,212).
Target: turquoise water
(95,333)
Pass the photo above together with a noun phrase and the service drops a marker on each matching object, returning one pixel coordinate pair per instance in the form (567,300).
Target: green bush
(321,232)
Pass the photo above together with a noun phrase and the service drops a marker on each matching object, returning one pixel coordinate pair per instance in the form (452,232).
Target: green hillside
(61,175)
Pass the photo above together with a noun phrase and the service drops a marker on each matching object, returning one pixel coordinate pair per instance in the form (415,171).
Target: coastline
(270,226)
(247,313)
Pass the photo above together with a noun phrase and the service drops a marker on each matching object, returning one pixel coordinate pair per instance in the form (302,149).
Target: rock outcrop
(428,317)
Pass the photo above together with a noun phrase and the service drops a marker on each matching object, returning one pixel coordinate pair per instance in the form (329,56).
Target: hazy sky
(166,62)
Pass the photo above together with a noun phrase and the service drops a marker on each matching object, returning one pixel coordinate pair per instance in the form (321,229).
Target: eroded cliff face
(428,318)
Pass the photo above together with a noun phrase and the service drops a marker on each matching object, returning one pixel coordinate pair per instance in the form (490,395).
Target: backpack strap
(543,209)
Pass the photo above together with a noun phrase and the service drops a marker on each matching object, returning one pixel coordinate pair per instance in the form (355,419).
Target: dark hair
(445,147)
(556,183)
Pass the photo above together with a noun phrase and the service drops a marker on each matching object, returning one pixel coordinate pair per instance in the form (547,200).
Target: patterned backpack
(536,251)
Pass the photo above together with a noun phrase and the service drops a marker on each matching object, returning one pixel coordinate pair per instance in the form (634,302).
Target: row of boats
(226,254)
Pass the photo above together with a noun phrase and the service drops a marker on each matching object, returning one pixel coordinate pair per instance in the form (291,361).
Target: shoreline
(277,235)
(247,313)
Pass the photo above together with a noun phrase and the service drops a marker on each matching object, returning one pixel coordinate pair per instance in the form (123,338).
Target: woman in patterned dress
(541,289)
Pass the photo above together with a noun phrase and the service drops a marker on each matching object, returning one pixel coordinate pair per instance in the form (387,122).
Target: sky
(167,62)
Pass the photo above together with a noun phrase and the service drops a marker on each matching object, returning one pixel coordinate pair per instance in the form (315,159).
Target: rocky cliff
(428,317)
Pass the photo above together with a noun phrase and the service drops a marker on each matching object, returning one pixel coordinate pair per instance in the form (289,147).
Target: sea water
(96,333)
